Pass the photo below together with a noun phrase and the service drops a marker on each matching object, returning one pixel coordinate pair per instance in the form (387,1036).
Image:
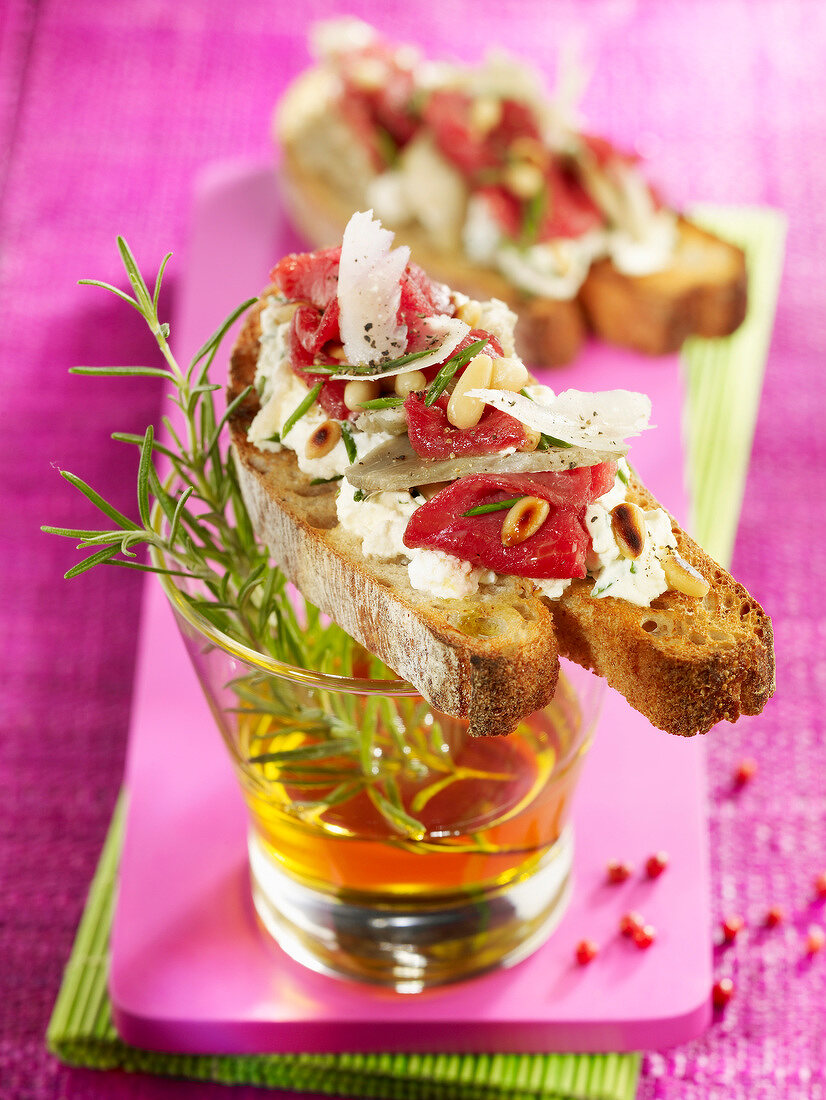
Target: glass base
(409,944)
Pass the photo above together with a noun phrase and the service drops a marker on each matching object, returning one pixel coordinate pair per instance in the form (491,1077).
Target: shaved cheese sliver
(598,420)
(448,333)
(369,292)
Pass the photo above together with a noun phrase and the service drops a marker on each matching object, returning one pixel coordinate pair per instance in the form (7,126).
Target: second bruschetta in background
(498,194)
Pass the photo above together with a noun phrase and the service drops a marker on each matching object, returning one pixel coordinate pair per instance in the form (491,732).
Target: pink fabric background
(106,113)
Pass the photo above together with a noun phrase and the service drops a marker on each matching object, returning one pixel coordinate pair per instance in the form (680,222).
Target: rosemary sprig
(342,746)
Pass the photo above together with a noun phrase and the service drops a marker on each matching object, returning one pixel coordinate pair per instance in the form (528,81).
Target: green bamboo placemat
(723,383)
(723,380)
(81,1032)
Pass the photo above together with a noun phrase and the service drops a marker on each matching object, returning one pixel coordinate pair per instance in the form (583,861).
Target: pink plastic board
(192,972)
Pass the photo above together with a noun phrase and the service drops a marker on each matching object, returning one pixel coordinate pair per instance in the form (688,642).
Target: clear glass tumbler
(386,845)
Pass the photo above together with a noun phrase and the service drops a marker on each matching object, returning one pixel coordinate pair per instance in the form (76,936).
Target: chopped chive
(349,442)
(358,495)
(274,438)
(449,368)
(532,215)
(382,403)
(622,475)
(296,415)
(498,506)
(368,368)
(326,480)
(546,441)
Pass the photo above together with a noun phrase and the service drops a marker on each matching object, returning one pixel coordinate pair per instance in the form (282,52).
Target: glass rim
(263,661)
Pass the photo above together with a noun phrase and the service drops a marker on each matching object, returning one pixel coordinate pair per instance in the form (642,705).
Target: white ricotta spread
(640,580)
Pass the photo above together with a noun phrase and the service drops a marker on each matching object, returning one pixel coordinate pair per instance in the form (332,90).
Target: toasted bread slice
(549,332)
(686,664)
(702,292)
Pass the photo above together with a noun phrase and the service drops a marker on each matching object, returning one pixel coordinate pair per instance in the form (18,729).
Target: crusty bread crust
(703,292)
(686,664)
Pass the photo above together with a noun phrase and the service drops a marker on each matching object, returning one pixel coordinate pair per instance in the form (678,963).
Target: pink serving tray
(192,972)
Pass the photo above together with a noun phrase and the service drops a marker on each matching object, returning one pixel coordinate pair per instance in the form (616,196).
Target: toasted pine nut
(532,437)
(529,149)
(337,352)
(284,313)
(464,411)
(523,179)
(683,577)
(524,519)
(628,527)
(508,374)
(323,439)
(485,114)
(410,381)
(470,312)
(355,393)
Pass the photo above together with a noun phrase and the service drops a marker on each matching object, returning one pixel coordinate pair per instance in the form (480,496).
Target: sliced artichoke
(395,465)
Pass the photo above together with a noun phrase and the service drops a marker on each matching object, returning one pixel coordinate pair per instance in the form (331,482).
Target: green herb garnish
(349,442)
(368,369)
(622,475)
(533,211)
(448,369)
(546,441)
(326,480)
(499,506)
(306,404)
(382,403)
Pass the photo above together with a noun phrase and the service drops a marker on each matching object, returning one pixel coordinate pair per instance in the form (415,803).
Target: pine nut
(485,114)
(337,352)
(532,437)
(323,439)
(470,312)
(524,519)
(628,527)
(508,374)
(523,179)
(529,149)
(683,577)
(464,411)
(410,381)
(284,312)
(355,393)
